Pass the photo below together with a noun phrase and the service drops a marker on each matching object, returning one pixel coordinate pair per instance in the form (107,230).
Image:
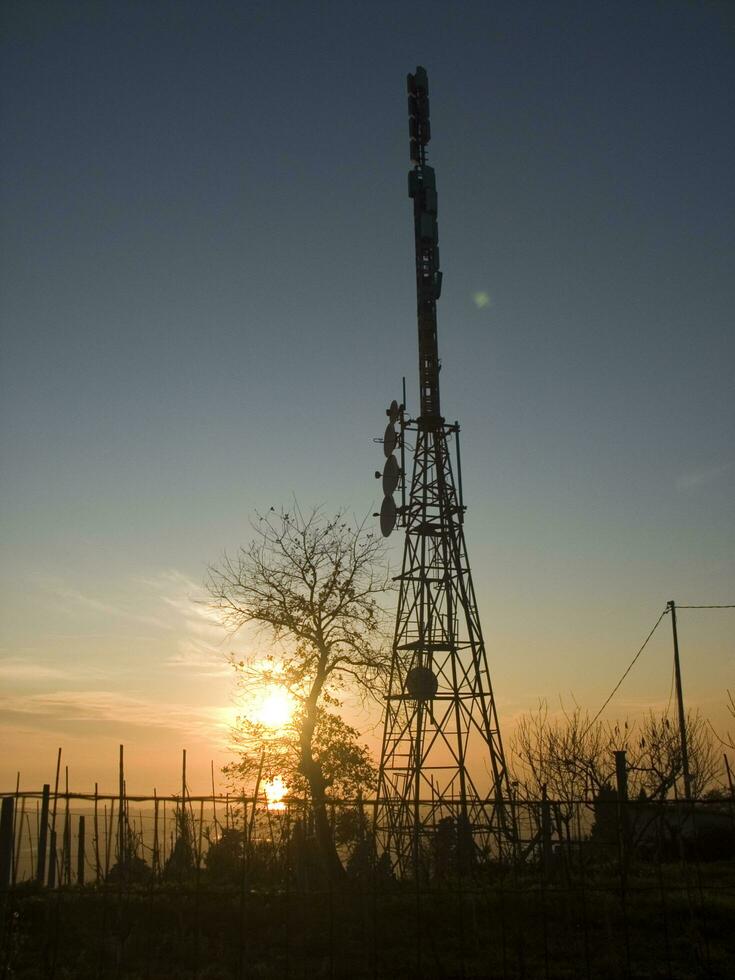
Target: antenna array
(442,755)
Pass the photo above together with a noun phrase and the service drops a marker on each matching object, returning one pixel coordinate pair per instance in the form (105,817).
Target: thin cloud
(202,660)
(200,649)
(170,601)
(23,670)
(18,669)
(701,478)
(95,707)
(643,705)
(75,597)
(173,603)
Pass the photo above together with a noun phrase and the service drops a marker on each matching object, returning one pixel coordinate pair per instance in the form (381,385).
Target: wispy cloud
(200,648)
(71,598)
(641,705)
(24,670)
(186,628)
(701,478)
(96,707)
(106,694)
(18,669)
(202,660)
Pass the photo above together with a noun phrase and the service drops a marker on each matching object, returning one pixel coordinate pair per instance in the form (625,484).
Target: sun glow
(275,789)
(274,709)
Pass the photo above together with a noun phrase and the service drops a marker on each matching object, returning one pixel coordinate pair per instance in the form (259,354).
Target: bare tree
(574,759)
(312,583)
(729,740)
(654,755)
(566,756)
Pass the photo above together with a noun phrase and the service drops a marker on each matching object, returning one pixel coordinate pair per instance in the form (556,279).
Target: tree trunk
(311,768)
(324,836)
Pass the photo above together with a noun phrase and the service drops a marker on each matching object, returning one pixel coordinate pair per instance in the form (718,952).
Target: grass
(670,921)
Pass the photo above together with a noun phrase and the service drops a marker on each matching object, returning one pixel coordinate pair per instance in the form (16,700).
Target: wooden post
(97,865)
(43,835)
(53,855)
(680,706)
(729,775)
(52,861)
(14,869)
(65,876)
(6,841)
(182,819)
(199,837)
(255,796)
(80,852)
(121,842)
(30,836)
(19,825)
(66,852)
(546,830)
(155,857)
(214,804)
(108,837)
(621,779)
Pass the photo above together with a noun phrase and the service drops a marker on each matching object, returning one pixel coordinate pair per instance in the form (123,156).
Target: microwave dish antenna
(391,475)
(442,753)
(387,516)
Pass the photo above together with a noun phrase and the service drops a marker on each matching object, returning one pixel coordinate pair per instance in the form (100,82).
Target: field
(260,907)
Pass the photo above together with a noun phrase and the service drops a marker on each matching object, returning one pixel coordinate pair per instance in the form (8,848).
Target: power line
(704,607)
(626,672)
(645,644)
(673,668)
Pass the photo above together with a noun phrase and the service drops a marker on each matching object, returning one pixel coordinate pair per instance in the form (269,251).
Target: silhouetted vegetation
(311,584)
(258,913)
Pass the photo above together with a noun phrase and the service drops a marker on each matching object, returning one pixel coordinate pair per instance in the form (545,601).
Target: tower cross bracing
(442,755)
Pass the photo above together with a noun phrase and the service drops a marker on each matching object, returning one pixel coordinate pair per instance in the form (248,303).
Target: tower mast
(422,189)
(442,755)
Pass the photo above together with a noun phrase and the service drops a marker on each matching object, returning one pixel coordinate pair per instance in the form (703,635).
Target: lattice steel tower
(442,756)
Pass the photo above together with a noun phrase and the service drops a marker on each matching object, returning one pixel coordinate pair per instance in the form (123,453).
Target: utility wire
(673,669)
(704,607)
(633,661)
(626,672)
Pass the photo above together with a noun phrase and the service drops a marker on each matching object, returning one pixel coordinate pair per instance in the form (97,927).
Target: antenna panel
(391,475)
(387,516)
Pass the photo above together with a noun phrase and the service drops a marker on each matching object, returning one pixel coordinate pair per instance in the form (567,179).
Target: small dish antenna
(387,516)
(393,411)
(391,474)
(389,439)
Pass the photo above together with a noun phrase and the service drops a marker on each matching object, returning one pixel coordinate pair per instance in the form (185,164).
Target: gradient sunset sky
(207,301)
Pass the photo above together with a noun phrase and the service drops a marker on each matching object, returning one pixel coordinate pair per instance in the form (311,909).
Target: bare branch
(312,584)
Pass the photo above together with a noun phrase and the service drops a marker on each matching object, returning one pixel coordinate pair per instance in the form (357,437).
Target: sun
(275,790)
(275,708)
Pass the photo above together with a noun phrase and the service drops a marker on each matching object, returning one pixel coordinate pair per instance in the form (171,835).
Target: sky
(207,301)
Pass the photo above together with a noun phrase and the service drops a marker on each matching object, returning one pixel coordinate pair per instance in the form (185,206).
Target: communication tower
(442,756)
